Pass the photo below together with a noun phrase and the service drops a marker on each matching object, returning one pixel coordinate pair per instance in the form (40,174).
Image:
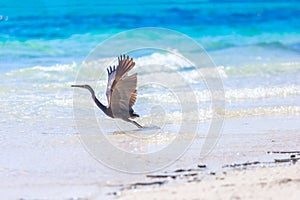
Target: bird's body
(121,91)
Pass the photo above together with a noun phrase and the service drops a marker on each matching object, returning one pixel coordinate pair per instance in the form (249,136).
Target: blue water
(254,44)
(45,33)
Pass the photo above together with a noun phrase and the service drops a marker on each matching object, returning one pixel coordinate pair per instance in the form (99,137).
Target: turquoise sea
(255,46)
(46,33)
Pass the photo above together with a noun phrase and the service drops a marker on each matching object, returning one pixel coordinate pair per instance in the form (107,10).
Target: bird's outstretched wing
(111,78)
(123,96)
(121,89)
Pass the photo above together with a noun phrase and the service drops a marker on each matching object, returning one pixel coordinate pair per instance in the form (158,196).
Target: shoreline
(271,182)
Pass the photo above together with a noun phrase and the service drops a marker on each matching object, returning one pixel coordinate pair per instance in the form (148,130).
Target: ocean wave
(160,65)
(286,41)
(262,92)
(208,114)
(240,94)
(263,111)
(262,69)
(43,74)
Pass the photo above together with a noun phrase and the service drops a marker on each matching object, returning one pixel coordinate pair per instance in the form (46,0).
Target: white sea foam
(262,92)
(154,63)
(49,87)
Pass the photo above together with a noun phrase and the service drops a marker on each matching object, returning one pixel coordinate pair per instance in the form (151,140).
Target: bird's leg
(135,123)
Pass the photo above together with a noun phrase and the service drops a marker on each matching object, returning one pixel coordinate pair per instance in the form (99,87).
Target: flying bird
(121,91)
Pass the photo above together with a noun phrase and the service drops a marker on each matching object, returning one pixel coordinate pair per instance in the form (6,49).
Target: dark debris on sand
(193,174)
(294,157)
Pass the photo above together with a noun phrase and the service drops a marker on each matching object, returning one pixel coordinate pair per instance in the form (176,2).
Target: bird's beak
(82,86)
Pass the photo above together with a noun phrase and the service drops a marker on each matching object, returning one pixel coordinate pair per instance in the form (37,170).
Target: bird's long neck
(98,103)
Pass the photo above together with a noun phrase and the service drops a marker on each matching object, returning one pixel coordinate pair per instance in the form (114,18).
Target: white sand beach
(258,183)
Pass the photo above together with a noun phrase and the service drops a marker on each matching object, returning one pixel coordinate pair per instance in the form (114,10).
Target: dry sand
(258,183)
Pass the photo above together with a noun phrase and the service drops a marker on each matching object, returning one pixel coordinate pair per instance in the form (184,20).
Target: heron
(121,91)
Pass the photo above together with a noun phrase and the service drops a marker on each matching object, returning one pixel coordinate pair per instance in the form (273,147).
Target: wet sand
(54,165)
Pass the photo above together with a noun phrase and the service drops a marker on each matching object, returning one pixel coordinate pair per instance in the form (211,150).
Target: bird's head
(85,86)
(81,86)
